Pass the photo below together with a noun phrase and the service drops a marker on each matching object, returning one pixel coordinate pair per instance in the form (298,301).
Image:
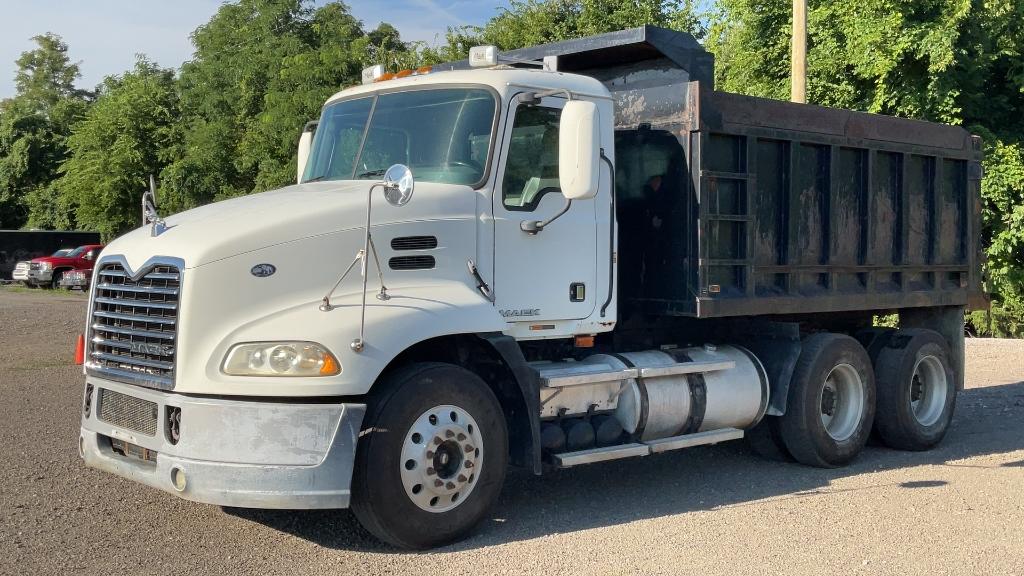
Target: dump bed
(731,205)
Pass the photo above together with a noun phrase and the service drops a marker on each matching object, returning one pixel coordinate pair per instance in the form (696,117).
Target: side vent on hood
(414,243)
(411,263)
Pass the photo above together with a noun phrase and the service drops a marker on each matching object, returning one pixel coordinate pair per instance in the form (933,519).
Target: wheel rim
(841,402)
(442,454)
(928,389)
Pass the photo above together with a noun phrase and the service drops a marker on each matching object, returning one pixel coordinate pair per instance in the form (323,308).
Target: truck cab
(468,273)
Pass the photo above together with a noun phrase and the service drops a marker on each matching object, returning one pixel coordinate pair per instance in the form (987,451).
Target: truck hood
(57,260)
(231,227)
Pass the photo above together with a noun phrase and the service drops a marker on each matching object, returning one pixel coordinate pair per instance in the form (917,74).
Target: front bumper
(242,453)
(73,281)
(35,276)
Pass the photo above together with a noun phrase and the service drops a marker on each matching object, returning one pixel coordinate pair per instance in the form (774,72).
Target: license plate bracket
(133,451)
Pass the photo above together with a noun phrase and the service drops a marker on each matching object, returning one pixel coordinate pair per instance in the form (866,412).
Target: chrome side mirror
(398,185)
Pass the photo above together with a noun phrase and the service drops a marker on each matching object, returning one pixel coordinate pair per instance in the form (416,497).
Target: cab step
(592,455)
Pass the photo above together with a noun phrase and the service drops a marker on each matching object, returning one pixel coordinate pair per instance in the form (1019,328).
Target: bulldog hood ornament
(149,214)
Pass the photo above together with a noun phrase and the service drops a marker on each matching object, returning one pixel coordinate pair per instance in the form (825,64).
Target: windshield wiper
(316,179)
(372,173)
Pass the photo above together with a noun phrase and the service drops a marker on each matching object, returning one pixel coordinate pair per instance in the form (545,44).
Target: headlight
(280,359)
(45,265)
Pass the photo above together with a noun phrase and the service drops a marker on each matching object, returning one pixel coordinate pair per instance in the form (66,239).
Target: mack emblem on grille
(151,348)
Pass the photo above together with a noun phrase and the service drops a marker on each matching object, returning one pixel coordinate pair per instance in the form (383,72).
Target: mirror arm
(532,227)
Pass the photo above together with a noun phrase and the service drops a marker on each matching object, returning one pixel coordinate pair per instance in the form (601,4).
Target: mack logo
(263,270)
(151,348)
(522,312)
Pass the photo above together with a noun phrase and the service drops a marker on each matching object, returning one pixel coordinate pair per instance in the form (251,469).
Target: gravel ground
(713,510)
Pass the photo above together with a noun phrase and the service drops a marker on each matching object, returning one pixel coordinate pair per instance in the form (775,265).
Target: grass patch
(19,289)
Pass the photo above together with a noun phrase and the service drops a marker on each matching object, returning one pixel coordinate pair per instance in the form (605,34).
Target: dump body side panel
(810,209)
(782,208)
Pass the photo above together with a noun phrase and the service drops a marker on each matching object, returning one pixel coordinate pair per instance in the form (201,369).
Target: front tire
(916,390)
(431,460)
(831,402)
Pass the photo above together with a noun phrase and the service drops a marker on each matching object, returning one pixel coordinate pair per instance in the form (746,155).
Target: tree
(34,127)
(261,69)
(531,22)
(46,75)
(123,139)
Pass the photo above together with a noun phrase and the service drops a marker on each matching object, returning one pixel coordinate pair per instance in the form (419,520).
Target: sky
(105,35)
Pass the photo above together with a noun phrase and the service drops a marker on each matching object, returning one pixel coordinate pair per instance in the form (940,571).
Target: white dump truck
(561,255)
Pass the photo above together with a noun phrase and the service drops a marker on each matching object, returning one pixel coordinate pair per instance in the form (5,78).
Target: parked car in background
(76,279)
(48,271)
(21,269)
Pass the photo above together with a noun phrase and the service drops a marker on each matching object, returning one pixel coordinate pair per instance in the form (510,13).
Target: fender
(777,345)
(528,380)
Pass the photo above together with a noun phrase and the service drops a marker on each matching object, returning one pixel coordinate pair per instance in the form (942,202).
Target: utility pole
(798,72)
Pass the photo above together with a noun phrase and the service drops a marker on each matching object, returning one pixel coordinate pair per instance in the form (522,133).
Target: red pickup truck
(47,271)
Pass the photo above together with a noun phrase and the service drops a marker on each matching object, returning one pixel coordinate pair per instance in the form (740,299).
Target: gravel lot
(716,510)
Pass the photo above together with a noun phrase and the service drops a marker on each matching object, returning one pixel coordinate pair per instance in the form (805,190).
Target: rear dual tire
(916,390)
(903,383)
(831,402)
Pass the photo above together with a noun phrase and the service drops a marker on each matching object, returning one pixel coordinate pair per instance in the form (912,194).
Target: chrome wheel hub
(842,402)
(928,389)
(441,455)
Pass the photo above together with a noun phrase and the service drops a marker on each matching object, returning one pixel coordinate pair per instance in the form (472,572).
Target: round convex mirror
(398,185)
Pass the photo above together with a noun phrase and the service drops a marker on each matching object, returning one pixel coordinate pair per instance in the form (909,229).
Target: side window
(531,169)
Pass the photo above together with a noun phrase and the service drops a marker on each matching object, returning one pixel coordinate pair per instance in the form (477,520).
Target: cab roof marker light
(483,56)
(372,73)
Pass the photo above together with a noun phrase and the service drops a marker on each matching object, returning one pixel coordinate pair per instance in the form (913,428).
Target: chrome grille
(134,325)
(128,412)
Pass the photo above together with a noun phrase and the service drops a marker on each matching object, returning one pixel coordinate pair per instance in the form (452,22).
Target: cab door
(550,275)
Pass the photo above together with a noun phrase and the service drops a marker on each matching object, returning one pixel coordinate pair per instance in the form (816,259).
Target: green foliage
(115,148)
(34,126)
(261,69)
(530,22)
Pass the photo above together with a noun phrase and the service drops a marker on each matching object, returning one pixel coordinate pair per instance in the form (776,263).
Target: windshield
(442,134)
(61,252)
(77,252)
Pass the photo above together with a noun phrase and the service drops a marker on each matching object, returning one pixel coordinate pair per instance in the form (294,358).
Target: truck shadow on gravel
(988,421)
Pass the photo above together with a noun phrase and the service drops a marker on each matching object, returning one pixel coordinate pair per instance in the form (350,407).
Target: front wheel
(432,458)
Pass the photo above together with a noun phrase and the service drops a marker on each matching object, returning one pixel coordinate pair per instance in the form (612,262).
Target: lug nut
(462,478)
(468,449)
(461,437)
(431,472)
(450,486)
(430,453)
(449,434)
(469,463)
(438,483)
(437,440)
